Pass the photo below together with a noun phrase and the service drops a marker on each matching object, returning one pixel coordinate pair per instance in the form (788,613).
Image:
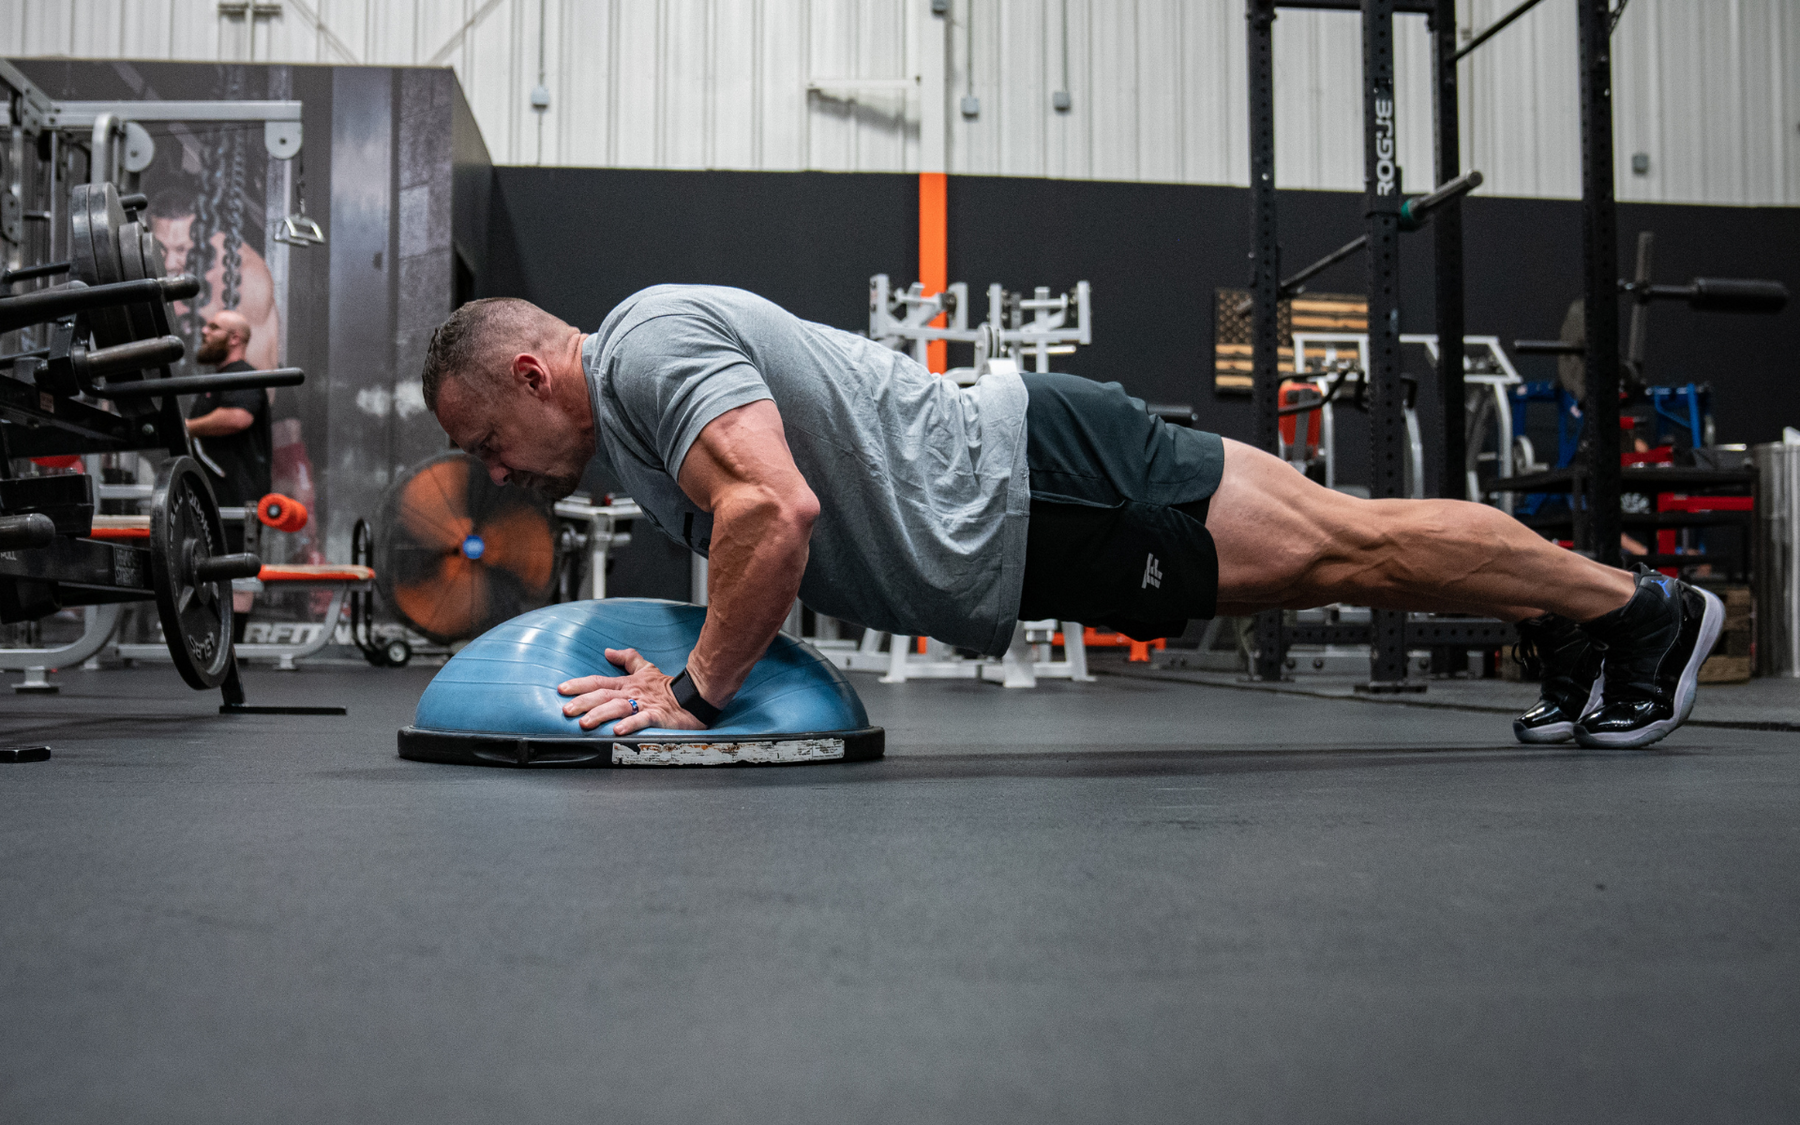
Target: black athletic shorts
(1117,535)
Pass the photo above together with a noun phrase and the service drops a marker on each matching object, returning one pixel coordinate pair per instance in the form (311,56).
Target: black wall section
(578,240)
(1154,254)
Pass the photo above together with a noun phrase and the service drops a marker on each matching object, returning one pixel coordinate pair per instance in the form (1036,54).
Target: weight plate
(81,247)
(196,616)
(105,219)
(152,253)
(152,257)
(95,220)
(131,259)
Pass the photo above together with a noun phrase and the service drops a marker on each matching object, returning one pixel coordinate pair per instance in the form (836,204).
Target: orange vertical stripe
(934,254)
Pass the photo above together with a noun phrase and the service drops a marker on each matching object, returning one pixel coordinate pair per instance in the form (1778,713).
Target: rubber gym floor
(1136,900)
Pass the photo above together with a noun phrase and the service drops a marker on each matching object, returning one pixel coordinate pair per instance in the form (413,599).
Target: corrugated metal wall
(1703,87)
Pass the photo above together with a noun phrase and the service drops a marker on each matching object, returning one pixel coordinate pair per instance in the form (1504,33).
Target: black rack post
(1387,419)
(1597,518)
(1265,283)
(1447,247)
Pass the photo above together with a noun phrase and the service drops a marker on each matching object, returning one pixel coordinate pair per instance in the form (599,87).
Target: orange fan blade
(449,603)
(520,543)
(432,524)
(434,505)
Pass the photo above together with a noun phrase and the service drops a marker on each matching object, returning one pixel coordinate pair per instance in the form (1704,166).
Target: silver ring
(634,705)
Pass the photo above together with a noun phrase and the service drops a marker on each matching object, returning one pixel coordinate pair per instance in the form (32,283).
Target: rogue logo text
(1384,146)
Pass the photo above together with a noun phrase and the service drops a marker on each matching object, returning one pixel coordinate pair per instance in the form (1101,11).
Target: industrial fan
(456,554)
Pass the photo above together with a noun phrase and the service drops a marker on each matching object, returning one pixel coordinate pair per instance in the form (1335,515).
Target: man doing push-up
(809,462)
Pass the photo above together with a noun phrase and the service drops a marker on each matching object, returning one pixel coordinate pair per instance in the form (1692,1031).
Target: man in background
(171,220)
(231,434)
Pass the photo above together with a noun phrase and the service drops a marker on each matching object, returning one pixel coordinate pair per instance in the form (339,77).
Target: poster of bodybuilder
(207,203)
(217,198)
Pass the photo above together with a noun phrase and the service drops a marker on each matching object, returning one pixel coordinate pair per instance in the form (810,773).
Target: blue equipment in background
(1681,416)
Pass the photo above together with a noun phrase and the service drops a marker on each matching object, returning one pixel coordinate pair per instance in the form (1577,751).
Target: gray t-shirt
(922,485)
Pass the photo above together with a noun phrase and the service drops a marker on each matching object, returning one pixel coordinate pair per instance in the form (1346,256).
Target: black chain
(206,220)
(218,209)
(234,237)
(234,200)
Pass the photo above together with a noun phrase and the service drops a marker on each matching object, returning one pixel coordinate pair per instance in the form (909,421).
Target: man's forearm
(758,554)
(221,422)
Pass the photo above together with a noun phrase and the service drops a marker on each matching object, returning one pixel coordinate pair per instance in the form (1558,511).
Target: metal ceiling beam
(82,115)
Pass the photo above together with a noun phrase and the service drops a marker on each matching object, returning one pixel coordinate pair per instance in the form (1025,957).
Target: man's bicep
(743,448)
(251,400)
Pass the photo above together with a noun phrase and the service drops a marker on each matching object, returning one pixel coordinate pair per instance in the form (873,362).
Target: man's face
(520,438)
(177,239)
(215,343)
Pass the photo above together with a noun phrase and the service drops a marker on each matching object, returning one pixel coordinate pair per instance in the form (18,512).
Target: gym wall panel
(1705,89)
(1154,254)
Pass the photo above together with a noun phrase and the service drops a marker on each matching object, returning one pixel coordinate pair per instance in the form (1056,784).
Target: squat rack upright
(1390,633)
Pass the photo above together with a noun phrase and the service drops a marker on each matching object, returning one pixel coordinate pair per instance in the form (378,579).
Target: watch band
(691,700)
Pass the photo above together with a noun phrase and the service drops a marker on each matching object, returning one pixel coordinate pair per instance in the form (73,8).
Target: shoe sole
(1544,735)
(1559,732)
(1686,688)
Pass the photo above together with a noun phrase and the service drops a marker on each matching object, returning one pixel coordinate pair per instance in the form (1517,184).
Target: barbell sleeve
(31,530)
(43,305)
(220,567)
(1413,212)
(1418,207)
(200,384)
(1547,347)
(1739,295)
(26,273)
(135,356)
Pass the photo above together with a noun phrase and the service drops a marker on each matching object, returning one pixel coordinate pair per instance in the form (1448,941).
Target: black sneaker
(1653,647)
(1568,667)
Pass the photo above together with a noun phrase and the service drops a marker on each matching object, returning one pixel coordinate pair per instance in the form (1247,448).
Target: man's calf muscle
(1286,541)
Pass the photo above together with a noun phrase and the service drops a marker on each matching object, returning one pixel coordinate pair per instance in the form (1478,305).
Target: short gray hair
(481,337)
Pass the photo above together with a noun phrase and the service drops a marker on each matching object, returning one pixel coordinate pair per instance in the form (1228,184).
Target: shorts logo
(1152,573)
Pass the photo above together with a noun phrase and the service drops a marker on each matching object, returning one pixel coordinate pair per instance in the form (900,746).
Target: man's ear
(530,374)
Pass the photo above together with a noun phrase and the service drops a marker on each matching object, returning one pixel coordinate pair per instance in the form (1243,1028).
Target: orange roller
(283,513)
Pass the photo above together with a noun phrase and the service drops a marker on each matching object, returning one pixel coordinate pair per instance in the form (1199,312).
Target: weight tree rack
(87,371)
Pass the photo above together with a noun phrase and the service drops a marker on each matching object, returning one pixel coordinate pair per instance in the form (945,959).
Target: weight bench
(342,579)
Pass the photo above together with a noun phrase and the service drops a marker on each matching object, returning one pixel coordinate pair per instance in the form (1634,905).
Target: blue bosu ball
(496,702)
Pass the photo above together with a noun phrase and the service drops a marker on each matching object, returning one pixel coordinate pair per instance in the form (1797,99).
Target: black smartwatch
(690,699)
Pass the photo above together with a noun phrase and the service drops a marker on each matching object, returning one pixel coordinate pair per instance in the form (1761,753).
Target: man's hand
(640,698)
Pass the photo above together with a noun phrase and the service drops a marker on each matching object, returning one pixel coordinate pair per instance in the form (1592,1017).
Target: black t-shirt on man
(236,464)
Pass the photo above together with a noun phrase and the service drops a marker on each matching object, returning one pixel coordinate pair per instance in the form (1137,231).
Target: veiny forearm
(759,551)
